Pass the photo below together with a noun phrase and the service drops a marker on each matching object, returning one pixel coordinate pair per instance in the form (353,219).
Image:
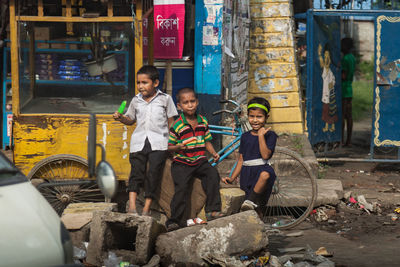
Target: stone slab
(75,221)
(239,234)
(330,191)
(77,215)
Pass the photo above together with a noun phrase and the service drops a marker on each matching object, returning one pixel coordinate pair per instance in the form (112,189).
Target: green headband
(255,105)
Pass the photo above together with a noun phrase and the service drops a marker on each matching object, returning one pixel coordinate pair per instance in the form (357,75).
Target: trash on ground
(295,234)
(294,249)
(79,253)
(223,260)
(323,252)
(288,264)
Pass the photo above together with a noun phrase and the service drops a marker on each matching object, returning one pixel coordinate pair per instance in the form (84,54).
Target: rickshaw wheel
(65,180)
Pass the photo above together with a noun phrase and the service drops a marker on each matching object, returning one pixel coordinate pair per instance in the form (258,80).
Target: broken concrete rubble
(130,237)
(240,234)
(77,217)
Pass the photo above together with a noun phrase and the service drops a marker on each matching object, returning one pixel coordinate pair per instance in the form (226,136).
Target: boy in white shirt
(153,111)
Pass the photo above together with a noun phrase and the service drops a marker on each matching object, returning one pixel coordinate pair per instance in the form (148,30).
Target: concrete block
(231,200)
(77,219)
(89,207)
(239,234)
(330,191)
(131,237)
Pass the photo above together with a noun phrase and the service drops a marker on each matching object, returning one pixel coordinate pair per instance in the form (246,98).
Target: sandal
(199,221)
(195,221)
(214,215)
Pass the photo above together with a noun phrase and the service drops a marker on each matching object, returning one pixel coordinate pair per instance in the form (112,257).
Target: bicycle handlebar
(222,111)
(225,101)
(236,110)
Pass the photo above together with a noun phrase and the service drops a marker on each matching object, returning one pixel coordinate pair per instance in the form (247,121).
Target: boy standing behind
(348,68)
(153,112)
(189,138)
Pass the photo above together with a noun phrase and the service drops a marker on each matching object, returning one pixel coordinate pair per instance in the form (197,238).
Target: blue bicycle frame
(232,146)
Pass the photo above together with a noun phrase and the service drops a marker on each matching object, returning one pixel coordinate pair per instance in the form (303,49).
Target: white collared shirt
(151,121)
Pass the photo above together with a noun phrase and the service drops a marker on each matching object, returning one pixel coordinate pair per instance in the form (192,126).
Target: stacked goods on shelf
(46,66)
(52,66)
(71,69)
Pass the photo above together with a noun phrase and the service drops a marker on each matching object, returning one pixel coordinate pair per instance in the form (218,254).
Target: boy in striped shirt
(189,138)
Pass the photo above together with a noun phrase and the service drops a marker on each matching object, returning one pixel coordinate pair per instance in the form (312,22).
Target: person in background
(348,67)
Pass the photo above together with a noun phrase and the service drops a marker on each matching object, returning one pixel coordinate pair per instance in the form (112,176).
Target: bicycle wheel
(294,192)
(63,179)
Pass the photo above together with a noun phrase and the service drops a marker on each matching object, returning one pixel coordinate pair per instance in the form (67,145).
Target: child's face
(188,103)
(257,118)
(146,86)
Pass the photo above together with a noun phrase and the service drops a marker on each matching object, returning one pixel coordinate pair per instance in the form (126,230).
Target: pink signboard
(169,28)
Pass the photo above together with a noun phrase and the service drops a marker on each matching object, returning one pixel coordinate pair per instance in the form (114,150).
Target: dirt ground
(354,237)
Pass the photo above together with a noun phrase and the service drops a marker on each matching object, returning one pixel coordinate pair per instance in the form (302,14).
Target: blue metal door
(386,116)
(323,95)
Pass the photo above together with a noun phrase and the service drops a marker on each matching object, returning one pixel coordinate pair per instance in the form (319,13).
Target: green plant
(322,169)
(366,70)
(362,98)
(298,145)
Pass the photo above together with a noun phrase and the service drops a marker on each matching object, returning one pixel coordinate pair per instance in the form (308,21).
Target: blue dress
(249,148)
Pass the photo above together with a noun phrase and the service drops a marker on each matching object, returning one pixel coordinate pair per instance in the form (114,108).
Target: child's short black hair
(261,101)
(184,91)
(150,71)
(346,45)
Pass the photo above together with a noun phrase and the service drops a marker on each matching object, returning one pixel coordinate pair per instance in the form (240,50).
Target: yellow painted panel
(281,70)
(275,39)
(268,10)
(270,25)
(272,55)
(41,136)
(285,114)
(293,128)
(281,100)
(273,85)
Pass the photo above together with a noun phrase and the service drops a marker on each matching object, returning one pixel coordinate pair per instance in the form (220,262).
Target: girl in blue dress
(257,146)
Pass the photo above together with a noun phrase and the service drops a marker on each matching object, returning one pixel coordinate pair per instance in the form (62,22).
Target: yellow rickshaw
(69,60)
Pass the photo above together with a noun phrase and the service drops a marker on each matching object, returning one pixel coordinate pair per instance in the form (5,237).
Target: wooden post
(138,39)
(40,8)
(14,59)
(110,8)
(68,13)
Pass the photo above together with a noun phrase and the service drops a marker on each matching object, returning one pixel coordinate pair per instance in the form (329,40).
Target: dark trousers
(140,176)
(183,176)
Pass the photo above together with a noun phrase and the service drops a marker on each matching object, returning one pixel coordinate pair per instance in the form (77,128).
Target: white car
(31,232)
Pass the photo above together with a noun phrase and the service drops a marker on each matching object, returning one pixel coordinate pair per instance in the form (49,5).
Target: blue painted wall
(208,58)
